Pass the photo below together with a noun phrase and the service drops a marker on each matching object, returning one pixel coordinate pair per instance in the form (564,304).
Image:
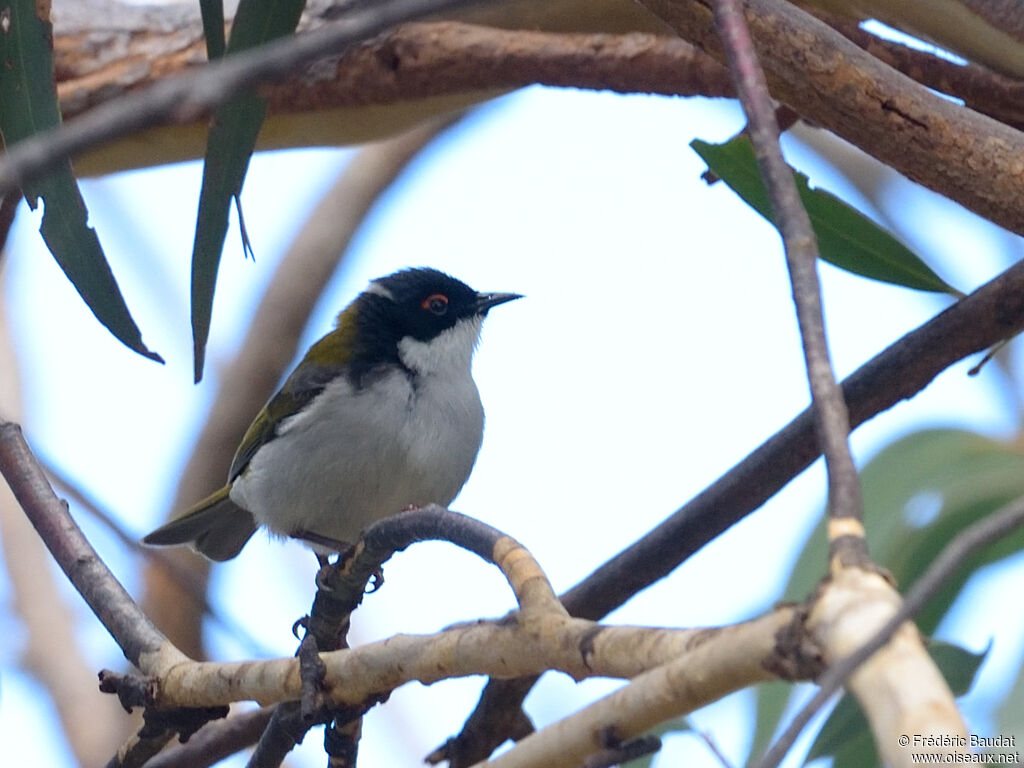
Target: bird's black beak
(484,301)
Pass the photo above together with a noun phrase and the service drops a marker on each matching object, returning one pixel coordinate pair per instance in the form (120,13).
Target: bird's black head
(416,305)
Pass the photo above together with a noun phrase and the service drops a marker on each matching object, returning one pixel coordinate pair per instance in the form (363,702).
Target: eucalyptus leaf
(846,238)
(229,147)
(28,105)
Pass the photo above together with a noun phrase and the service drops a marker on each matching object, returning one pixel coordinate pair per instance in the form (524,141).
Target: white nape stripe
(379,290)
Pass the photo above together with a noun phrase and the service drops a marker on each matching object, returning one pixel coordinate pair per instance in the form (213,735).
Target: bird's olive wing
(324,362)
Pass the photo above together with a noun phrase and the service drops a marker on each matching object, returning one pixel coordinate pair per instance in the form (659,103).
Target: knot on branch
(797,656)
(131,690)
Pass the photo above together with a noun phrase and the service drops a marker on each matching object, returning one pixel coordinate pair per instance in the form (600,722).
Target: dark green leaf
(772,699)
(957,664)
(228,149)
(213,27)
(28,105)
(846,238)
(846,736)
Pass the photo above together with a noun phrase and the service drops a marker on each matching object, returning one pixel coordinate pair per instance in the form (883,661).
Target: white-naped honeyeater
(380,415)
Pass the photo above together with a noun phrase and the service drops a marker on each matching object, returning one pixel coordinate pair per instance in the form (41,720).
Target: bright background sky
(656,347)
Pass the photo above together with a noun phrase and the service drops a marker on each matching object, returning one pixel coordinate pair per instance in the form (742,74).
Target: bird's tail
(215,527)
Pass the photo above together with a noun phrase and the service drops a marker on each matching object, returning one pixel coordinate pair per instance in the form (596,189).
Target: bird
(382,414)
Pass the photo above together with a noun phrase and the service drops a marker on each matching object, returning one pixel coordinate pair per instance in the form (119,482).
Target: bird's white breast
(356,455)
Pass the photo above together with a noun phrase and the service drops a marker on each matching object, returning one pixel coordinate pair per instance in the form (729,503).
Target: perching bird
(381,414)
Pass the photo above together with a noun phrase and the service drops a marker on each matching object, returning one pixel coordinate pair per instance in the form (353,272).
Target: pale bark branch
(525,645)
(891,710)
(700,674)
(691,667)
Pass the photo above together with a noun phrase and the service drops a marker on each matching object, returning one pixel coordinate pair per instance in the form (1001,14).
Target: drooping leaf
(28,105)
(919,493)
(846,737)
(213,27)
(846,238)
(230,144)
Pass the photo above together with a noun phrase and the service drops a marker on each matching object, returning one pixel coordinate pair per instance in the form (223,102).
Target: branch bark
(825,78)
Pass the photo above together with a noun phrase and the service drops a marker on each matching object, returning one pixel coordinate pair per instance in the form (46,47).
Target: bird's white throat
(448,352)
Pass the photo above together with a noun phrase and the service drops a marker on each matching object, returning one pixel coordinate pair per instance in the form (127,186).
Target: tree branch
(102,592)
(51,648)
(824,77)
(189,97)
(979,535)
(958,153)
(832,423)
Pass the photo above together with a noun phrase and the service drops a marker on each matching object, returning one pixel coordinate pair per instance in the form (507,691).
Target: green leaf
(230,144)
(846,238)
(28,105)
(213,27)
(771,699)
(957,664)
(919,493)
(1011,711)
(846,736)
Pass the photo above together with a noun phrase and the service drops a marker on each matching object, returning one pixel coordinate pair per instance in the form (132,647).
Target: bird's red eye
(435,303)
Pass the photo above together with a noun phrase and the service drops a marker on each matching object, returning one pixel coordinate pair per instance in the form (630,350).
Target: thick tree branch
(519,646)
(187,98)
(981,89)
(810,66)
(967,157)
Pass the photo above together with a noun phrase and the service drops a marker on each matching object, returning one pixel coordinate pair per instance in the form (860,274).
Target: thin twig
(801,245)
(102,592)
(964,544)
(192,584)
(216,741)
